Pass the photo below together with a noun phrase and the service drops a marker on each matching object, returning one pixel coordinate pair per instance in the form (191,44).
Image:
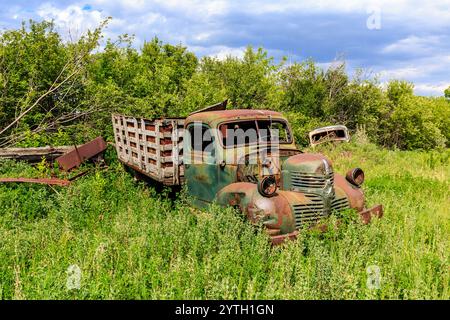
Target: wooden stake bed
(152,147)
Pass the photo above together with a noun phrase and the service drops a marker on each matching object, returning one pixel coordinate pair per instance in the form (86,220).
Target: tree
(41,79)
(249,82)
(151,81)
(305,89)
(414,124)
(447,93)
(397,89)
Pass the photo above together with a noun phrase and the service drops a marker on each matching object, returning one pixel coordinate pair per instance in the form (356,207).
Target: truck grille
(309,213)
(312,212)
(310,181)
(339,204)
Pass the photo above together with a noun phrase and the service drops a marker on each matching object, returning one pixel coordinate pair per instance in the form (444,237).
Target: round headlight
(355,176)
(267,186)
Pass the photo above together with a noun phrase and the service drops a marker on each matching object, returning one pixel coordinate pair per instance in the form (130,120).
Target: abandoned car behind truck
(241,158)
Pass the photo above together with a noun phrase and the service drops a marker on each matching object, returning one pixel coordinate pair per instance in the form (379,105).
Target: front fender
(275,212)
(354,194)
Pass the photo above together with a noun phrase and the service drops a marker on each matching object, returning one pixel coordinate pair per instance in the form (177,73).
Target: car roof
(214,117)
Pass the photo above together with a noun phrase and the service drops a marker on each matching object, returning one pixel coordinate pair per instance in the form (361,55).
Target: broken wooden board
(34,155)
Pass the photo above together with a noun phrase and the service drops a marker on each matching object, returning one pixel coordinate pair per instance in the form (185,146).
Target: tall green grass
(131,242)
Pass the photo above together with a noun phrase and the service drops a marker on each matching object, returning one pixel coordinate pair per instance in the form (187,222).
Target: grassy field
(131,242)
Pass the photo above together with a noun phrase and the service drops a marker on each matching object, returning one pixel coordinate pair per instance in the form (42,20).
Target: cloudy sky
(394,39)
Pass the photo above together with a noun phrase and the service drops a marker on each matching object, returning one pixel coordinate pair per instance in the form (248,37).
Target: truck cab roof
(213,118)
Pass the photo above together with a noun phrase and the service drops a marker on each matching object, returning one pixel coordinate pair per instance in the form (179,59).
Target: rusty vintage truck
(246,159)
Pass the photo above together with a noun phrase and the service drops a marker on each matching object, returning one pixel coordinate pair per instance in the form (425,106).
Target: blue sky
(401,39)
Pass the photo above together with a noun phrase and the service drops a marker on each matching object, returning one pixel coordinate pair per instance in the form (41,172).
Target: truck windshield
(240,133)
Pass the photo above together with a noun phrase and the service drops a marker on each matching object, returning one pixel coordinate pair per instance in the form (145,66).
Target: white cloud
(198,9)
(414,45)
(428,74)
(223,52)
(409,12)
(72,20)
(202,36)
(431,89)
(408,72)
(219,52)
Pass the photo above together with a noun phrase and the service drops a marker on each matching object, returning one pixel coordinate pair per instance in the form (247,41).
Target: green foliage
(418,123)
(201,90)
(30,61)
(249,82)
(447,93)
(148,83)
(301,125)
(304,89)
(398,89)
(43,82)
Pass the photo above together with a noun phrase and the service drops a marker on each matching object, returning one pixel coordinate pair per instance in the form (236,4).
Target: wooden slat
(166,169)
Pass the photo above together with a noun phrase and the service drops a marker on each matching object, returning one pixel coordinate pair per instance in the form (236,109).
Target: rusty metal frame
(330,134)
(376,211)
(74,158)
(47,181)
(215,107)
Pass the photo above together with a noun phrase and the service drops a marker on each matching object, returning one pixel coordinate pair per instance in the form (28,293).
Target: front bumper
(276,240)
(365,215)
(376,211)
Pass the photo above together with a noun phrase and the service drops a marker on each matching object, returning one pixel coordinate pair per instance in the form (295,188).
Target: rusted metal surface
(327,134)
(355,176)
(215,107)
(310,192)
(355,195)
(78,155)
(213,118)
(367,215)
(277,240)
(48,181)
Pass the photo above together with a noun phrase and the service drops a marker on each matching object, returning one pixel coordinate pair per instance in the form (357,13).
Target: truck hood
(311,163)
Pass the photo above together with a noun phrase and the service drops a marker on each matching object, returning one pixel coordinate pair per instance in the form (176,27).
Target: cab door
(200,164)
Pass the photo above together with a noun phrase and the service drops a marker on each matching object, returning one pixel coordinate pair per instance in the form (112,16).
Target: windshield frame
(260,141)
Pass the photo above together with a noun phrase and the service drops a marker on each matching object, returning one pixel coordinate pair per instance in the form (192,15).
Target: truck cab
(224,147)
